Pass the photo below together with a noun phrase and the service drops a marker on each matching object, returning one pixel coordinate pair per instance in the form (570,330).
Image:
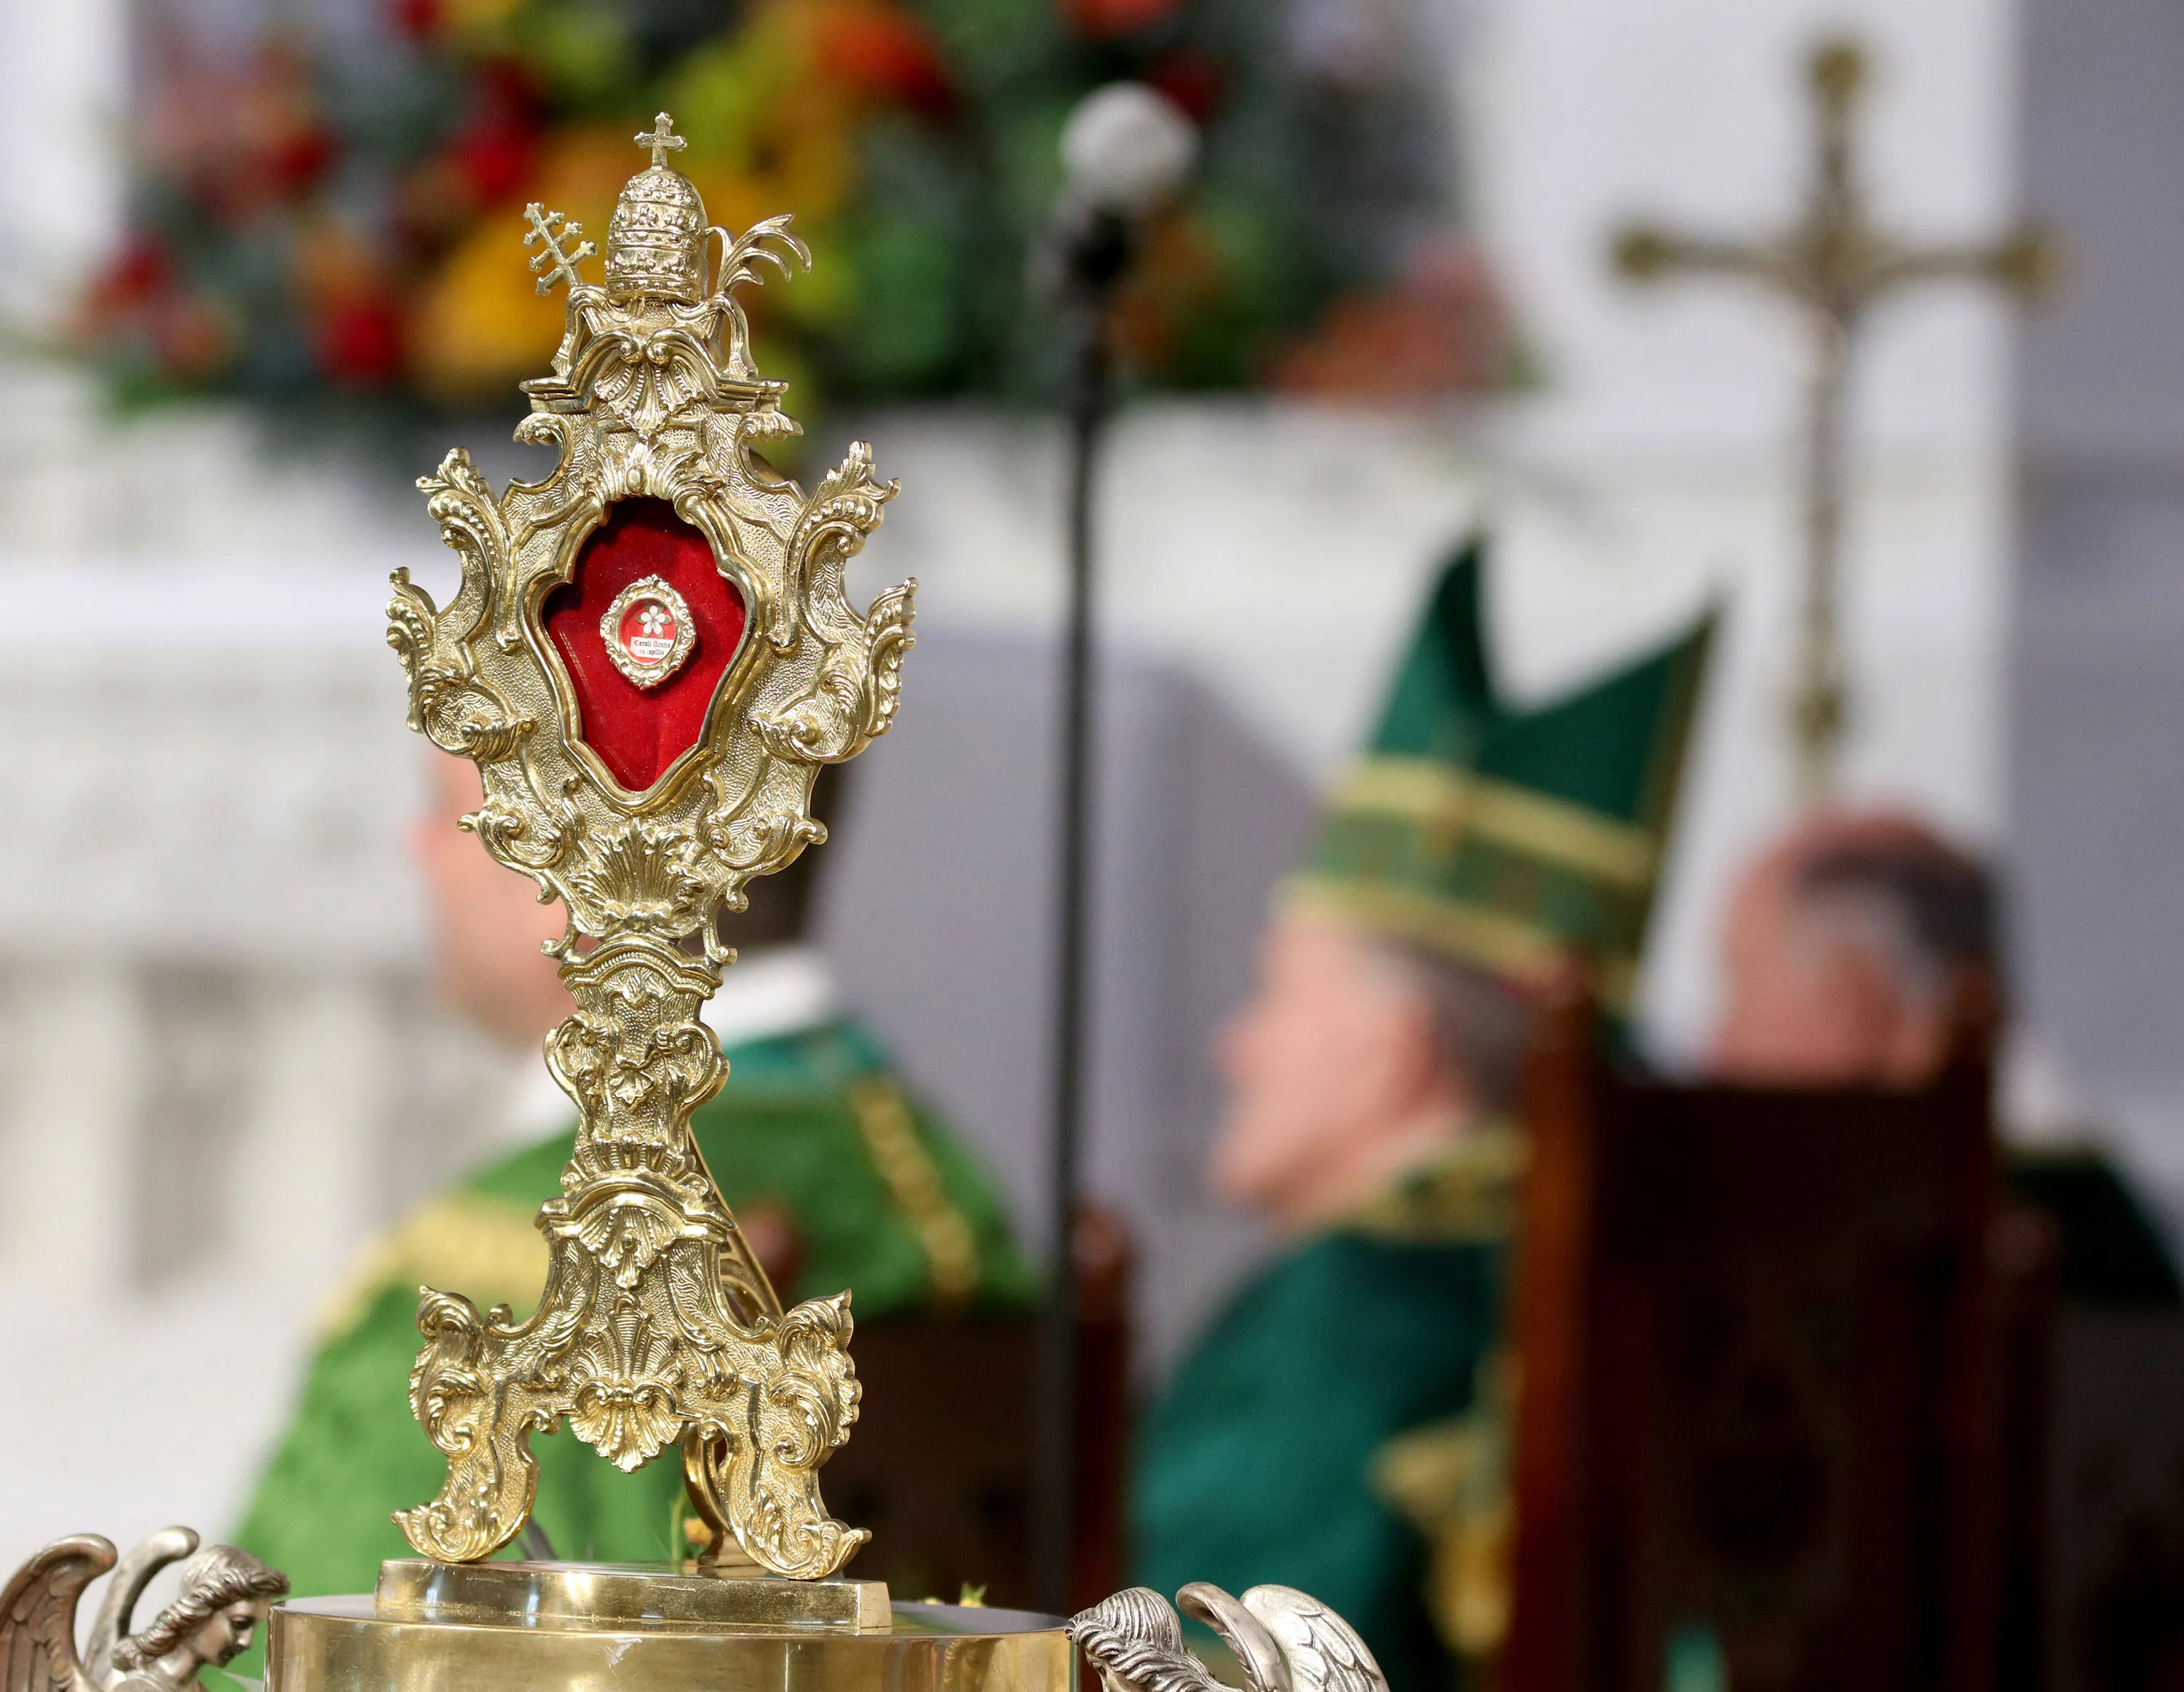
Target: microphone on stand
(1125,150)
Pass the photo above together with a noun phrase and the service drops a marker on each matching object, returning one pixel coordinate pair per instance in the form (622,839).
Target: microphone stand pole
(1094,266)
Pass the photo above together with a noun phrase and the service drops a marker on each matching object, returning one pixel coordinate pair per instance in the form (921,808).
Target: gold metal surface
(1833,264)
(656,1325)
(342,1644)
(609,1595)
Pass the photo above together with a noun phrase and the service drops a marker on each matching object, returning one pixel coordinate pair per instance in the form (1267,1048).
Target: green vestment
(1257,1464)
(793,1128)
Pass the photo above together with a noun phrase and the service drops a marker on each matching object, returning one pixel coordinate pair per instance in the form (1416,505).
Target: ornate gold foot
(657,1324)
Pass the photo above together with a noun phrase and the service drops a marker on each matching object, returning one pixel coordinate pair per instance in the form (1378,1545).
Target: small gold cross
(659,139)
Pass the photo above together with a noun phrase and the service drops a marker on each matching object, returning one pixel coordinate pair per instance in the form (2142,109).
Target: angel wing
(1322,1650)
(37,1615)
(1243,1633)
(1285,1640)
(117,1614)
(1136,1643)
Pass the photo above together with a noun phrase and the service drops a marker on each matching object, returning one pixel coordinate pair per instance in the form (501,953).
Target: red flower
(241,139)
(138,308)
(884,54)
(297,159)
(358,344)
(1103,19)
(139,272)
(1442,328)
(497,147)
(494,163)
(415,20)
(1189,79)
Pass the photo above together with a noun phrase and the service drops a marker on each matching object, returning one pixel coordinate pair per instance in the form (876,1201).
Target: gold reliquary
(650,656)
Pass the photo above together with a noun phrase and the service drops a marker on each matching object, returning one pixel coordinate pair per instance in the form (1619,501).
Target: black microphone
(1125,150)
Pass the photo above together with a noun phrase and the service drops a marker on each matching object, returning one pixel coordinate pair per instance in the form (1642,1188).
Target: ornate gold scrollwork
(657,1325)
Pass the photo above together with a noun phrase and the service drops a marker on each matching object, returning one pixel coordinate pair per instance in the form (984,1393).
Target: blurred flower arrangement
(336,211)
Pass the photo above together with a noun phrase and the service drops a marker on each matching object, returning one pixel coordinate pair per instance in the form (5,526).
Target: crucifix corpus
(1833,265)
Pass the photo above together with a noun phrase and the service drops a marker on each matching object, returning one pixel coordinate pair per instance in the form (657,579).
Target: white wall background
(2097,807)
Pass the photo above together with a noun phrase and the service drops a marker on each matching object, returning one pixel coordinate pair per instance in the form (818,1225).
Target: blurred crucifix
(1832,264)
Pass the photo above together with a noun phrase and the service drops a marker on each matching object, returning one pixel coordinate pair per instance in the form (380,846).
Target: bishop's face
(1334,1082)
(488,923)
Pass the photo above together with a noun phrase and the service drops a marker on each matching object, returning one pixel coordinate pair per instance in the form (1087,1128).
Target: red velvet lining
(638,731)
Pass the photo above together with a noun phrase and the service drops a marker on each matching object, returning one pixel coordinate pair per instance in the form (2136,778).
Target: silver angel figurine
(1285,1640)
(223,1596)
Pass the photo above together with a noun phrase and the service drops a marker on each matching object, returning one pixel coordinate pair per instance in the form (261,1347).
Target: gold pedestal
(586,1595)
(543,1627)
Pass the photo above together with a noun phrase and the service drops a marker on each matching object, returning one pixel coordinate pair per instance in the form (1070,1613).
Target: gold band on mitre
(1446,801)
(1525,952)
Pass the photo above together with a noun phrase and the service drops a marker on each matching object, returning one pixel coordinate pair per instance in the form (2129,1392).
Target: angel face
(226,1633)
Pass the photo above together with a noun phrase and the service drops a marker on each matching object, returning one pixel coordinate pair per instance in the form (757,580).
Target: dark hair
(1482,1025)
(1931,908)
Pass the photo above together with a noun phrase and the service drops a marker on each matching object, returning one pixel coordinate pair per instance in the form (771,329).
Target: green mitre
(1509,837)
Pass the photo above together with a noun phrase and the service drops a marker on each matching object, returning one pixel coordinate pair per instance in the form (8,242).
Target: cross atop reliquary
(1833,264)
(662,140)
